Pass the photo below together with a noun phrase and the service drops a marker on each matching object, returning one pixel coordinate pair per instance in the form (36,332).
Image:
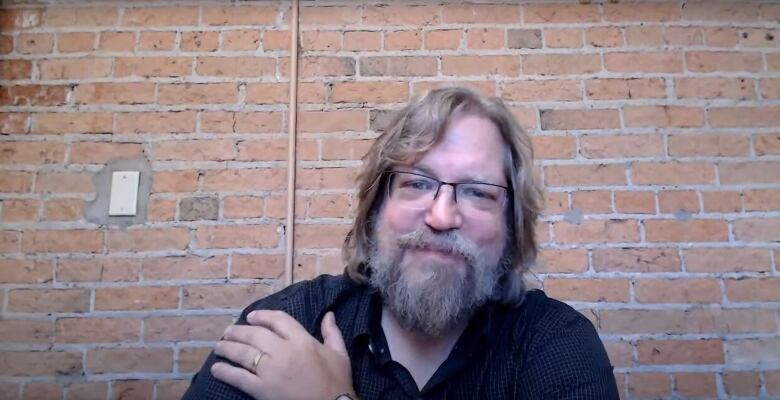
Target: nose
(444,213)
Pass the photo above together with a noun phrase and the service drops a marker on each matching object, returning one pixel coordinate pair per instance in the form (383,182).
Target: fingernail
(251,315)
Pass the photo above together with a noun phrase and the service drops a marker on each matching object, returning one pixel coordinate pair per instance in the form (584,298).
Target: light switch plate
(124,193)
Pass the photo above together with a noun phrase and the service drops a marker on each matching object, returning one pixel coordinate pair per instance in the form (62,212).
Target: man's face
(435,265)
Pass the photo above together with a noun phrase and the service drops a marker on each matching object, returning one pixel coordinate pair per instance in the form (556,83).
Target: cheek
(396,221)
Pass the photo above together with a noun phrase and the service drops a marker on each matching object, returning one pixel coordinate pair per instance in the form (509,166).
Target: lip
(437,253)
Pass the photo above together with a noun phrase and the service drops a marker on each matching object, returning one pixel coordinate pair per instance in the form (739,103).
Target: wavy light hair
(411,133)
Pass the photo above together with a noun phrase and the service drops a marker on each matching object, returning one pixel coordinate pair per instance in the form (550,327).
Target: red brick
(331,15)
(684,36)
(194,150)
(727,117)
(721,37)
(593,290)
(80,16)
(9,241)
(749,172)
(69,42)
(686,231)
(554,147)
(725,11)
(563,37)
(762,200)
(753,289)
(580,119)
(386,15)
(74,68)
(42,390)
(710,61)
(190,360)
(560,13)
(156,122)
(327,178)
(25,271)
(757,230)
(19,210)
(665,352)
(185,328)
(675,322)
(187,267)
(604,37)
(655,12)
(403,40)
(160,16)
(309,67)
(40,363)
(443,39)
(696,384)
(276,40)
(136,298)
(6,44)
(257,266)
(562,261)
(241,40)
(406,66)
(364,40)
(708,145)
(678,200)
(13,123)
(22,18)
(242,207)
(89,390)
(651,173)
(345,149)
(677,291)
(148,239)
(63,209)
(480,13)
(153,66)
(721,201)
(11,181)
(25,331)
(240,15)
(244,179)
(635,202)
(237,236)
(590,174)
(117,41)
(332,121)
(561,64)
(204,93)
(115,93)
(72,122)
(634,88)
(48,300)
(646,36)
(596,231)
(132,389)
(772,382)
(754,351)
(161,210)
(264,150)
(174,181)
(741,383)
(710,88)
(321,40)
(649,384)
(223,295)
(103,152)
(199,41)
(15,69)
(63,241)
(33,95)
(485,38)
(129,360)
(541,90)
(375,92)
(621,146)
(100,269)
(727,260)
(174,389)
(31,153)
(320,235)
(32,43)
(643,62)
(97,330)
(328,206)
(663,116)
(157,41)
(636,260)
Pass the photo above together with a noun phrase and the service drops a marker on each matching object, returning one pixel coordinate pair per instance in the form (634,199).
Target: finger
(278,321)
(331,334)
(244,380)
(256,336)
(239,353)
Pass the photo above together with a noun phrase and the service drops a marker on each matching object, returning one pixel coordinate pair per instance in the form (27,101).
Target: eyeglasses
(418,191)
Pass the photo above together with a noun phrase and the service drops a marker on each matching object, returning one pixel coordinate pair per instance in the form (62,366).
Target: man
(432,304)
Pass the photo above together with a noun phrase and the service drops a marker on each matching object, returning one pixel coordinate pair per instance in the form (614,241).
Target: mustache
(449,241)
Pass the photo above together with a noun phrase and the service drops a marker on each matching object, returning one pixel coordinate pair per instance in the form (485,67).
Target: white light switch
(124,193)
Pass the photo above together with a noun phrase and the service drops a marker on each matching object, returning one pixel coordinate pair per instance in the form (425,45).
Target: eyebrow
(428,171)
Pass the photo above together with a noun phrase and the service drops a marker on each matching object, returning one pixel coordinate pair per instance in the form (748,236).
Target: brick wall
(655,126)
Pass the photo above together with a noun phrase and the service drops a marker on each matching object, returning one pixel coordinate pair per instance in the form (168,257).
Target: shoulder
(304,300)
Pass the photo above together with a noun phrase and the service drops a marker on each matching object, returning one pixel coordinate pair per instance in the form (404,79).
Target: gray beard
(446,296)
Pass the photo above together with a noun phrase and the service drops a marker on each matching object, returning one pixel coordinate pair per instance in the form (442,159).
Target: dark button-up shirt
(539,349)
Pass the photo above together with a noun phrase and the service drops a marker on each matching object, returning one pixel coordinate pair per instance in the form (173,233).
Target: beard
(434,297)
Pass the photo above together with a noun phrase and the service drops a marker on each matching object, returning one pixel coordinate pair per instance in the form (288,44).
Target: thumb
(331,334)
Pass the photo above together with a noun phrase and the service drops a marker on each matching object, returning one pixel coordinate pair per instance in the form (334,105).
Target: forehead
(470,148)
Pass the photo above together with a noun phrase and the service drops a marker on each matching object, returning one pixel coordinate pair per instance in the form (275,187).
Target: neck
(421,354)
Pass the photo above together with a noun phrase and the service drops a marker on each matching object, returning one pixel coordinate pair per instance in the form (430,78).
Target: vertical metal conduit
(292,108)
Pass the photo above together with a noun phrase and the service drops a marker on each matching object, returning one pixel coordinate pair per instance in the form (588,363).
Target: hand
(294,365)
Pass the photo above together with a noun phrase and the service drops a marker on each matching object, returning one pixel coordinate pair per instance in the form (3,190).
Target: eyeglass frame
(440,183)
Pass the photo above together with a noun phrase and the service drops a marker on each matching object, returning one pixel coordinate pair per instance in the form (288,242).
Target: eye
(416,184)
(479,193)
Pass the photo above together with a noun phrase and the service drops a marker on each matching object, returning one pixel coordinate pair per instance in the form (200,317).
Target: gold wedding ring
(256,361)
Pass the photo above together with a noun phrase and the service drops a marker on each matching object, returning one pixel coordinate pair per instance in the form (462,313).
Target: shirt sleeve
(567,362)
(204,386)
